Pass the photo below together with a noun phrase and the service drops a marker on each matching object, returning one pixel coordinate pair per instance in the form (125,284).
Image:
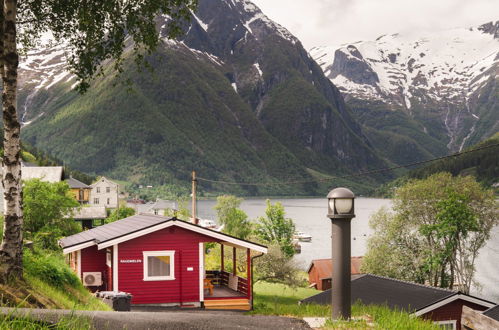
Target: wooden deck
(222,292)
(239,304)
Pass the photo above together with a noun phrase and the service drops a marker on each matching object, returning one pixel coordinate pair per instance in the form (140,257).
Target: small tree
(48,205)
(438,226)
(47,212)
(234,220)
(277,267)
(120,213)
(275,229)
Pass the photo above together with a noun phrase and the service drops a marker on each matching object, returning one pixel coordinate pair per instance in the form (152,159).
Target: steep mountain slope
(420,95)
(237,99)
(482,164)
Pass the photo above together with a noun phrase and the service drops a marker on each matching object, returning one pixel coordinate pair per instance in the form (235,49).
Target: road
(167,319)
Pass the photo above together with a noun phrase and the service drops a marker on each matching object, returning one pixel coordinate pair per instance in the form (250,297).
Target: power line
(349,175)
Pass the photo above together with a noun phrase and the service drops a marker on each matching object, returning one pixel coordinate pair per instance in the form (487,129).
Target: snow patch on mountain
(257,66)
(443,64)
(254,14)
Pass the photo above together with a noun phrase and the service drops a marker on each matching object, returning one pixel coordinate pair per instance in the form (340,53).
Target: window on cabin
(96,201)
(98,190)
(159,265)
(81,195)
(108,201)
(449,324)
(155,211)
(108,189)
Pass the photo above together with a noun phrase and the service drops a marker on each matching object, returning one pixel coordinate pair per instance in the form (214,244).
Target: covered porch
(227,283)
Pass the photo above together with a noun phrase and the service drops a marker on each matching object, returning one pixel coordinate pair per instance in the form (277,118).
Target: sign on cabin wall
(130,261)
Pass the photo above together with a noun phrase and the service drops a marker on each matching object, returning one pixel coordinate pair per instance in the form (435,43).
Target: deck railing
(222,278)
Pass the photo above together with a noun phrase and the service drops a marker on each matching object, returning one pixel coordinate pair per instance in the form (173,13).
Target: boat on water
(208,223)
(302,237)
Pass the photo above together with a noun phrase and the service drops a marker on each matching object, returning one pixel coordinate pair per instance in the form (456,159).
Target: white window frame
(446,322)
(170,254)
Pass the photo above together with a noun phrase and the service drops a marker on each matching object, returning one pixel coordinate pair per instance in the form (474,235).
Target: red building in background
(160,261)
(321,270)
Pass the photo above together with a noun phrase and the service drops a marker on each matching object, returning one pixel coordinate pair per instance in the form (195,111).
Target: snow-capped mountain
(237,97)
(446,77)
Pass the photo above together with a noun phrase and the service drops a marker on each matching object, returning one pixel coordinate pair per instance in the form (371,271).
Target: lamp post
(341,212)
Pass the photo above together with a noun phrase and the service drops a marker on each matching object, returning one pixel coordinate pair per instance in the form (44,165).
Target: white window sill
(159,279)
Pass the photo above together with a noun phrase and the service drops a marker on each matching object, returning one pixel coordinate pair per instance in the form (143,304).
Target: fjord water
(309,216)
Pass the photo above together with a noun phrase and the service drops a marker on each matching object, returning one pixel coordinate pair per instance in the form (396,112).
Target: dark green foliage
(120,213)
(46,206)
(49,268)
(200,125)
(275,229)
(396,135)
(437,227)
(234,220)
(483,164)
(45,159)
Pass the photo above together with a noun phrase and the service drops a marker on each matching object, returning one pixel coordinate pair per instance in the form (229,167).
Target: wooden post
(234,261)
(194,186)
(248,273)
(222,266)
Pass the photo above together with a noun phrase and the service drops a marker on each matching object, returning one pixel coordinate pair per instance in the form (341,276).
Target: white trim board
(77,247)
(78,265)
(182,224)
(451,299)
(115,268)
(201,271)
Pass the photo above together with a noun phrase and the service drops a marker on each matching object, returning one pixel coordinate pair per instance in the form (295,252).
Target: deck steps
(240,304)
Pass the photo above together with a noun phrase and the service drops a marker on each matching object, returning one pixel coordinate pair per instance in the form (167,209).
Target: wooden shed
(321,270)
(161,261)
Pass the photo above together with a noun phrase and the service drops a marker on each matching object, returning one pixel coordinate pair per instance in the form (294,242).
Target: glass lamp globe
(343,206)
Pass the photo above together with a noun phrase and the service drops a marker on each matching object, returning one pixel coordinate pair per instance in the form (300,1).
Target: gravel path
(168,319)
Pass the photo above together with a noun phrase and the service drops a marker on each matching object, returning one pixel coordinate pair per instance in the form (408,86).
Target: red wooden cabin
(160,261)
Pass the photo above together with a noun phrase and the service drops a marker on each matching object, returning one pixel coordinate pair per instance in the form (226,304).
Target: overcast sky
(333,22)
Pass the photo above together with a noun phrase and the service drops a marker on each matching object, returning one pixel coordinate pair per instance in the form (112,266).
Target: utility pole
(194,186)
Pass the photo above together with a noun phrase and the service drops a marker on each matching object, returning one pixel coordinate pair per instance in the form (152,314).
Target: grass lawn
(278,299)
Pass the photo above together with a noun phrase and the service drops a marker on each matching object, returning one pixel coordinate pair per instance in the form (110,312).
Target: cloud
(332,22)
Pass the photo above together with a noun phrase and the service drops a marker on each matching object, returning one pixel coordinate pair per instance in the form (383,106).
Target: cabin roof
(76,184)
(397,294)
(139,225)
(492,312)
(324,267)
(379,290)
(103,179)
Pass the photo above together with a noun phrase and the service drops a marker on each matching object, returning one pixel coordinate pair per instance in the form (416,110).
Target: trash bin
(118,301)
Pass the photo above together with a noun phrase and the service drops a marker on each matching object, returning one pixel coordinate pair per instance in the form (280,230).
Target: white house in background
(161,207)
(104,193)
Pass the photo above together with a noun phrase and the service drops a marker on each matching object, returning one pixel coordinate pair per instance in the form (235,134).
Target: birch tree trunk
(11,247)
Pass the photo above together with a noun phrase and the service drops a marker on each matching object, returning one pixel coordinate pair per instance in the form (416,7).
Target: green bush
(49,268)
(47,238)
